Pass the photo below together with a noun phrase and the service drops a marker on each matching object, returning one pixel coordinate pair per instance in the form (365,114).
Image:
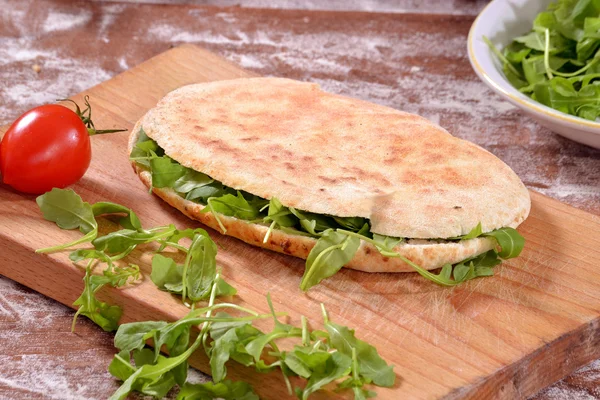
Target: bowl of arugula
(543,57)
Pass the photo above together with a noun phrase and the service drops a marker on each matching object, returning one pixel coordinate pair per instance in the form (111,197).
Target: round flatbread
(330,154)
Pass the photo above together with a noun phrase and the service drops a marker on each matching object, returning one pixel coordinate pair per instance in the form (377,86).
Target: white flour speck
(247,61)
(58,21)
(123,63)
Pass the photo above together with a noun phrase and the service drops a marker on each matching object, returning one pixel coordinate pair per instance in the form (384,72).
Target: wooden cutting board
(505,337)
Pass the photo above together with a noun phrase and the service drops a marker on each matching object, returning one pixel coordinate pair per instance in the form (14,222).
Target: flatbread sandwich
(335,180)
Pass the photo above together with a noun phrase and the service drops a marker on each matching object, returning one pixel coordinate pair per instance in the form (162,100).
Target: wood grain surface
(407,61)
(485,339)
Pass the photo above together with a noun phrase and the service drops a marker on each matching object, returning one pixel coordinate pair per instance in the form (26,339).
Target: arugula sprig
(319,357)
(69,211)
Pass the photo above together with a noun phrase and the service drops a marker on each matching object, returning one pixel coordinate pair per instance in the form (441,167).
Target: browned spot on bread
(220,145)
(285,246)
(327,179)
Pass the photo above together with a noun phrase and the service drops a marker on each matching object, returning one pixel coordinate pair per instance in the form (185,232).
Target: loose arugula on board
(338,239)
(557,63)
(334,356)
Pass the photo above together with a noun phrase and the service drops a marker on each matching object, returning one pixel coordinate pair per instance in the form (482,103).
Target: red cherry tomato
(47,147)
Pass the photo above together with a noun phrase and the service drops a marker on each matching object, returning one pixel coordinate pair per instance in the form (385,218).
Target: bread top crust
(337,155)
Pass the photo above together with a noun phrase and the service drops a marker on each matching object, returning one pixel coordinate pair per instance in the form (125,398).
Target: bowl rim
(527,103)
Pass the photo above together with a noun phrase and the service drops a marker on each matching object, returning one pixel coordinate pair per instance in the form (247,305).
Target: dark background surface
(407,54)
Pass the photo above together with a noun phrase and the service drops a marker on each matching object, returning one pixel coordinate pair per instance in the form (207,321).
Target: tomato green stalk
(86,117)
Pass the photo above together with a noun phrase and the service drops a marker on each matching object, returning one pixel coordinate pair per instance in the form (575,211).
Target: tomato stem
(86,117)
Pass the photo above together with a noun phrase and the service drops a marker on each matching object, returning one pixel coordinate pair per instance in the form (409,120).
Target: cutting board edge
(524,375)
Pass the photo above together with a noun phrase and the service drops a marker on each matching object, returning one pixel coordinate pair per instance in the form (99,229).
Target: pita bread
(331,154)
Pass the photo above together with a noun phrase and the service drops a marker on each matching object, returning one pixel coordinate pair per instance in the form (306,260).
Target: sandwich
(340,182)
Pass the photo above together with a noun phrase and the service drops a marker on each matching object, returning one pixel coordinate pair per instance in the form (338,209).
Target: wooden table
(407,54)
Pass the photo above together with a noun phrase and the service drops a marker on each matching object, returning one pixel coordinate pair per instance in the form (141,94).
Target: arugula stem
(305,334)
(324,314)
(271,227)
(215,214)
(91,235)
(86,278)
(547,54)
(501,57)
(122,255)
(174,245)
(579,71)
(354,364)
(127,363)
(213,294)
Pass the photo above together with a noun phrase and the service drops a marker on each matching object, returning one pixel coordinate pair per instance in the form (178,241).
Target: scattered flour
(71,76)
(50,376)
(109,15)
(58,21)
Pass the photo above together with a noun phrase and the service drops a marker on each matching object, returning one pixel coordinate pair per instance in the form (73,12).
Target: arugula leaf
(201,194)
(337,366)
(481,265)
(371,365)
(133,335)
(475,232)
(385,244)
(90,254)
(233,206)
(103,314)
(130,221)
(221,350)
(145,149)
(354,224)
(296,364)
(313,223)
(331,252)
(68,211)
(200,268)
(151,375)
(117,276)
(511,242)
(165,171)
(226,390)
(280,214)
(167,274)
(190,181)
(120,367)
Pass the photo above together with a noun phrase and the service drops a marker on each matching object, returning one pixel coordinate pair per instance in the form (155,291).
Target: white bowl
(501,21)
